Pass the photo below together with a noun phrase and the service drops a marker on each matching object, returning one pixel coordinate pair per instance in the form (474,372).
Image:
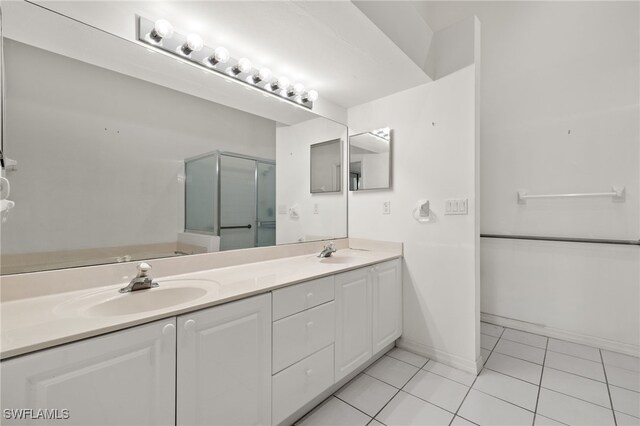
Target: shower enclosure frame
(218,207)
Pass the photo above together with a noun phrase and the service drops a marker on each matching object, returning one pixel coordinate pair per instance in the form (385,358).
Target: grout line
(352,406)
(613,411)
(535,411)
(575,356)
(396,394)
(579,375)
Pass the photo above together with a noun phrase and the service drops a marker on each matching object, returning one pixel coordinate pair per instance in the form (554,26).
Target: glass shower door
(237,202)
(266,180)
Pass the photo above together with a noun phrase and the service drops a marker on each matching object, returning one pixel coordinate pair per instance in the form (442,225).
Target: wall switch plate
(386,207)
(282,209)
(456,206)
(315,208)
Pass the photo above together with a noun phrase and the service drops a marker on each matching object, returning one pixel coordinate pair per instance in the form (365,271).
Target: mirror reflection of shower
(232,198)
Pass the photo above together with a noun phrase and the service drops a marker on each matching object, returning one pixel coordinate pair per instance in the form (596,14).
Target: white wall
(560,108)
(101,154)
(434,157)
(293,184)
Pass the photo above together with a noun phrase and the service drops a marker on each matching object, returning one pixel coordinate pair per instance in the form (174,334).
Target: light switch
(386,207)
(456,206)
(315,208)
(282,209)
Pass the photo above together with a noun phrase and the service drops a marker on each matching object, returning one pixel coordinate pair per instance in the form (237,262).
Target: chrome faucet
(328,250)
(142,281)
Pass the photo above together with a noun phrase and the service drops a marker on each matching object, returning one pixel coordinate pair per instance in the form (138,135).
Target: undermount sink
(111,303)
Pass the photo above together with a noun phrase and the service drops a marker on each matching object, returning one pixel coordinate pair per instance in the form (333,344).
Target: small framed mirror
(370,160)
(326,166)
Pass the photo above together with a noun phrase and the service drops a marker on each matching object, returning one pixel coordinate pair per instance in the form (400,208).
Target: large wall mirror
(370,160)
(124,155)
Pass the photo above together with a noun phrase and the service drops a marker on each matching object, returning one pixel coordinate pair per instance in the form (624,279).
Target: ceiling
(330,46)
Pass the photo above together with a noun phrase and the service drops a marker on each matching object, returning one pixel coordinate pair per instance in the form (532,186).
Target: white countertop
(35,323)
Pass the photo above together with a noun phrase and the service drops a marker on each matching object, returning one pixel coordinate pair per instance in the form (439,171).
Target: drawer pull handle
(309,372)
(310,324)
(309,295)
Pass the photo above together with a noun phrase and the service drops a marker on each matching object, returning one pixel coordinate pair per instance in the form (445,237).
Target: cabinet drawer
(298,336)
(296,298)
(300,383)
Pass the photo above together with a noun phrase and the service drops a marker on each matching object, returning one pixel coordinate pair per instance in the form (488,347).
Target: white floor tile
(392,371)
(623,378)
(625,401)
(483,409)
(545,421)
(515,367)
(374,422)
(573,411)
(526,338)
(577,386)
(367,394)
(405,409)
(520,350)
(572,364)
(574,349)
(491,329)
(624,420)
(485,354)
(437,390)
(459,421)
(450,372)
(621,360)
(408,357)
(487,342)
(516,391)
(334,412)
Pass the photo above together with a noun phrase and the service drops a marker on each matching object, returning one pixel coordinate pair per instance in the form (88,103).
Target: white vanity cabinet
(303,337)
(387,303)
(126,377)
(369,314)
(224,364)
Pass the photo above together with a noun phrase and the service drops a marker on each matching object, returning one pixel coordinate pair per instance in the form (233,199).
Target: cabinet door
(224,364)
(353,321)
(387,303)
(126,377)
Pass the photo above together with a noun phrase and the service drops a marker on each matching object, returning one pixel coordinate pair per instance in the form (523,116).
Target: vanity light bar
(161,35)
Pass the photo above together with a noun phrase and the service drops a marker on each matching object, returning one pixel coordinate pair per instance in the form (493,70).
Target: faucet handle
(331,245)
(143,269)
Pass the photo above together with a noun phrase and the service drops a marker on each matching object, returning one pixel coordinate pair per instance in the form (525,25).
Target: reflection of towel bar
(236,227)
(270,224)
(618,195)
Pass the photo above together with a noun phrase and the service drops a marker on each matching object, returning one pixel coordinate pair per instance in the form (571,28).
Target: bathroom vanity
(260,348)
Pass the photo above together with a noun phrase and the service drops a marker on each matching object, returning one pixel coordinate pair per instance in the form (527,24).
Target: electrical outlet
(456,206)
(386,207)
(315,208)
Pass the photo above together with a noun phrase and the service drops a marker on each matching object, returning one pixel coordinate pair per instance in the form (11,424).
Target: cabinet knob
(309,295)
(168,329)
(309,372)
(310,324)
(190,325)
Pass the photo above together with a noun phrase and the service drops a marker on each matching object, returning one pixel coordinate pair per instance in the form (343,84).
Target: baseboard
(470,366)
(583,339)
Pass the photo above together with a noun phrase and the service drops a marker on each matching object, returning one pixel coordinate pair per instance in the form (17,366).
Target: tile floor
(527,379)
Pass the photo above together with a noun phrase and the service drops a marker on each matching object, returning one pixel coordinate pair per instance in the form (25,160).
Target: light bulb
(264,74)
(310,96)
(220,56)
(194,43)
(243,65)
(161,29)
(280,83)
(295,90)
